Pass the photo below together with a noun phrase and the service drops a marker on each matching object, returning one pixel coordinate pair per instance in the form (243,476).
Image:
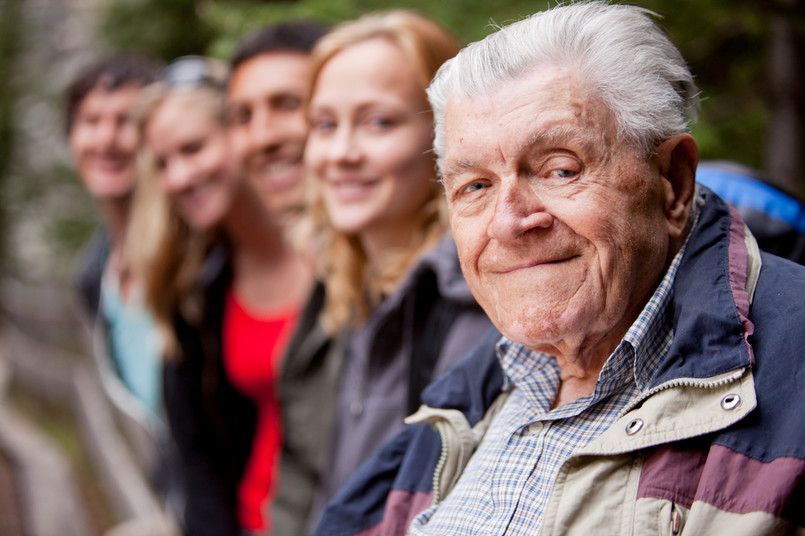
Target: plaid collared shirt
(505,487)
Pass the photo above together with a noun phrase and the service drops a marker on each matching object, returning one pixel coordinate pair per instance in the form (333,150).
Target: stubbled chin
(286,201)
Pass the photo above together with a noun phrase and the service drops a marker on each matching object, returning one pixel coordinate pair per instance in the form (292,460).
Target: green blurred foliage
(470,21)
(68,232)
(11,31)
(158,28)
(723,40)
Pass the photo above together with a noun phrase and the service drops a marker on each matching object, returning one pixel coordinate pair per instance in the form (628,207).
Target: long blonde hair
(352,290)
(164,253)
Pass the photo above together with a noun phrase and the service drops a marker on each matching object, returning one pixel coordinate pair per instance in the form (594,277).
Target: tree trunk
(785,145)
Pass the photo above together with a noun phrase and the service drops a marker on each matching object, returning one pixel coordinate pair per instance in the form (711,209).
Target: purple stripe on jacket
(401,508)
(737,276)
(723,478)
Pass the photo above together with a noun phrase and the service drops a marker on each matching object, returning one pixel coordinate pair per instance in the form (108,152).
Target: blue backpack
(776,218)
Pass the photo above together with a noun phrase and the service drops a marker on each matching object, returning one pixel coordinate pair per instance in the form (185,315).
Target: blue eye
(323,125)
(563,173)
(473,187)
(381,123)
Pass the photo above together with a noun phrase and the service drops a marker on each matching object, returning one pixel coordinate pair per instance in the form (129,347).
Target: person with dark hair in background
(103,141)
(267,88)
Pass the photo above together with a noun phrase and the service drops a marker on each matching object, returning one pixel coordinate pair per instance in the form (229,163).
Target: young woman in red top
(225,287)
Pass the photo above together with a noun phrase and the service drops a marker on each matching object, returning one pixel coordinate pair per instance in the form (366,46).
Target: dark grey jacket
(375,375)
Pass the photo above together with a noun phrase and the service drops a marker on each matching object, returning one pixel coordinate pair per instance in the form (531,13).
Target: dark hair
(109,74)
(295,36)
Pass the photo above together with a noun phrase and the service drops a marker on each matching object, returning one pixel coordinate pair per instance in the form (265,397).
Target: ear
(678,157)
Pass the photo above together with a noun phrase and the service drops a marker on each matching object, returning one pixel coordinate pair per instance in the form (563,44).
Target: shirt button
(356,408)
(535,428)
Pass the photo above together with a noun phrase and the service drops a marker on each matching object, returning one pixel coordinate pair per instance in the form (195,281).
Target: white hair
(616,51)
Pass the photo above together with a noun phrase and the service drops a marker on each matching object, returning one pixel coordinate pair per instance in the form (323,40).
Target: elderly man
(648,376)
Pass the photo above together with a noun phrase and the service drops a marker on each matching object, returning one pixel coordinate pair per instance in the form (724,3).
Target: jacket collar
(473,384)
(710,304)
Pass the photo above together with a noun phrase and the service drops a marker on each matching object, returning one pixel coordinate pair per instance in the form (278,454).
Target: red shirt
(253,347)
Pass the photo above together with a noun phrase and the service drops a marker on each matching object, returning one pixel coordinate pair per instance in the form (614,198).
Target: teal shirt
(134,345)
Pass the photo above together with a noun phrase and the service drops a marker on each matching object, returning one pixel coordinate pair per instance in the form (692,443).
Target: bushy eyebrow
(456,169)
(460,166)
(552,135)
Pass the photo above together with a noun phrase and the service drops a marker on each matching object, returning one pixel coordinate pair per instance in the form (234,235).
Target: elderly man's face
(561,227)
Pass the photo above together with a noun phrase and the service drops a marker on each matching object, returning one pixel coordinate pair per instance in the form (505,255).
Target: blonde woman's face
(370,140)
(193,161)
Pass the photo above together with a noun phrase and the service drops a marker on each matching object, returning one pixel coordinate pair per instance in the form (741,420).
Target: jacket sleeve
(89,273)
(389,490)
(210,498)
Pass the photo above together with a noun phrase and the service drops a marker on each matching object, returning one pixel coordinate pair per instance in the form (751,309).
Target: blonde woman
(393,310)
(225,288)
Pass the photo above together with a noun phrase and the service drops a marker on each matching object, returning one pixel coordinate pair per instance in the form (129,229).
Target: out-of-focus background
(67,463)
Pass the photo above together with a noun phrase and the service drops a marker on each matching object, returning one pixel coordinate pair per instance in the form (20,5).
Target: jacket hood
(442,260)
(710,302)
(473,384)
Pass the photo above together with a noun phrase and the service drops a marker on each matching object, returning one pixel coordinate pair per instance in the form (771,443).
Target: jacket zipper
(683,382)
(437,472)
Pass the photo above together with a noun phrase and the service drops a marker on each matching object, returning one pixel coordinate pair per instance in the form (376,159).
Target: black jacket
(212,423)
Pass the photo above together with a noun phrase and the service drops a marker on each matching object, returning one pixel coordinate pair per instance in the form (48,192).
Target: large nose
(518,209)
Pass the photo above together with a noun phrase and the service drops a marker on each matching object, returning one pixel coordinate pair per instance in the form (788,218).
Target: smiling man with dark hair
(267,89)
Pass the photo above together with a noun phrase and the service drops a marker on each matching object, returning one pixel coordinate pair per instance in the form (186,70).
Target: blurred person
(645,376)
(103,142)
(393,310)
(225,287)
(267,88)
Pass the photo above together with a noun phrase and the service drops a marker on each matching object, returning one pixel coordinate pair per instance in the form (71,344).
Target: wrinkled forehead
(547,108)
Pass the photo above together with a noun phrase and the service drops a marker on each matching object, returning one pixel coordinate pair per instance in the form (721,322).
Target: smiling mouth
(111,163)
(351,190)
(279,175)
(193,197)
(535,264)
